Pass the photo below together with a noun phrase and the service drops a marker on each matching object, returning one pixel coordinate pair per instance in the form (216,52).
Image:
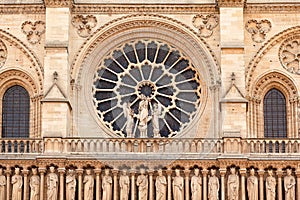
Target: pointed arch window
(275,122)
(15,112)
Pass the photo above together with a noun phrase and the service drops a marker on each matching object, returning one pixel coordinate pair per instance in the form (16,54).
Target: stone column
(187,183)
(132,174)
(169,173)
(115,174)
(223,191)
(243,173)
(25,191)
(151,185)
(204,172)
(261,183)
(8,173)
(79,172)
(42,175)
(279,185)
(61,172)
(98,186)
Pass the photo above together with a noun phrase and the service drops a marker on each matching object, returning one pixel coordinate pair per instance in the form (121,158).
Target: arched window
(15,112)
(275,115)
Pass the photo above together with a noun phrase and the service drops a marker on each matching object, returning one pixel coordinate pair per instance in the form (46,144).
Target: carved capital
(7,172)
(223,171)
(279,173)
(243,172)
(204,172)
(97,171)
(42,170)
(169,172)
(25,172)
(187,172)
(79,172)
(61,170)
(261,172)
(115,172)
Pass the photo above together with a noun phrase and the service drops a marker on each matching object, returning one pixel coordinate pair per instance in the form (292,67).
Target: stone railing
(151,146)
(17,145)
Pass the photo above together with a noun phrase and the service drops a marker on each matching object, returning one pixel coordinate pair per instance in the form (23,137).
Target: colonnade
(194,183)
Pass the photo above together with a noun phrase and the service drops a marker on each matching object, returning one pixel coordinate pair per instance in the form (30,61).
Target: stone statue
(178,186)
(129,114)
(106,185)
(142,183)
(270,186)
(143,116)
(70,185)
(34,185)
(213,186)
(17,182)
(2,185)
(52,184)
(196,185)
(233,185)
(252,185)
(289,185)
(155,120)
(88,182)
(161,186)
(124,186)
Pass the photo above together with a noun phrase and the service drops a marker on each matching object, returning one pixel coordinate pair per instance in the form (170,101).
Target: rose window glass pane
(146,87)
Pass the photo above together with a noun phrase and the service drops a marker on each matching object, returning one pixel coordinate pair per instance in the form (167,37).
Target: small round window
(146,88)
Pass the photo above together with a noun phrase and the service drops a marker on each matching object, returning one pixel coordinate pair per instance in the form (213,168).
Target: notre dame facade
(149,100)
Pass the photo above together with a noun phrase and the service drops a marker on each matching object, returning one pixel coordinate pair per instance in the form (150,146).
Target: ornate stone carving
(178,189)
(88,182)
(161,186)
(33,30)
(252,185)
(52,184)
(205,24)
(58,3)
(2,185)
(124,185)
(107,185)
(289,185)
(196,185)
(258,29)
(142,183)
(233,185)
(270,186)
(230,3)
(289,54)
(84,25)
(70,185)
(3,53)
(17,184)
(213,186)
(34,185)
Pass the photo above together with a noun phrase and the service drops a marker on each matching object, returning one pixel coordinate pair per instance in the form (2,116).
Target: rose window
(289,54)
(146,89)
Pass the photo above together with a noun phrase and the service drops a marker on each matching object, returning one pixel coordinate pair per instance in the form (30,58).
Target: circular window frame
(194,51)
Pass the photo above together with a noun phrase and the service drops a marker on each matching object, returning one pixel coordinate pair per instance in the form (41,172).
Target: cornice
(58,3)
(148,8)
(22,9)
(272,8)
(230,3)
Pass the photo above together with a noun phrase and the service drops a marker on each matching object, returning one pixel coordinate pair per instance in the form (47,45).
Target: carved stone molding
(3,53)
(113,9)
(289,54)
(271,8)
(258,29)
(230,3)
(290,32)
(33,30)
(35,63)
(58,3)
(133,21)
(22,9)
(205,24)
(84,25)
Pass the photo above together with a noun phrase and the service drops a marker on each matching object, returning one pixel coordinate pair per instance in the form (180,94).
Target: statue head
(213,172)
(106,172)
(232,170)
(252,171)
(196,171)
(177,172)
(143,171)
(52,169)
(289,171)
(160,172)
(71,172)
(34,171)
(17,170)
(124,172)
(88,171)
(270,172)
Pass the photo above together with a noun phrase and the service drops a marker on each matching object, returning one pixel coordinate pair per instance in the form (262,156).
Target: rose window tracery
(146,88)
(289,54)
